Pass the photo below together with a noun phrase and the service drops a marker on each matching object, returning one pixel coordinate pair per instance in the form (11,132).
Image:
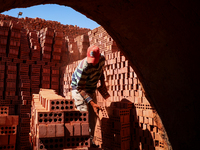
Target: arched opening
(161,38)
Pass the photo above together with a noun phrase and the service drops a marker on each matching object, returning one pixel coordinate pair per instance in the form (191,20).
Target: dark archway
(161,40)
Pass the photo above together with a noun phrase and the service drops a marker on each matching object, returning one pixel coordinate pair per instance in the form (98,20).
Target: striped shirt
(86,77)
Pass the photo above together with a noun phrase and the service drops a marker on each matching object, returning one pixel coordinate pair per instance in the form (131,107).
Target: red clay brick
(69,130)
(3,139)
(77,129)
(42,131)
(12,139)
(60,130)
(51,130)
(85,128)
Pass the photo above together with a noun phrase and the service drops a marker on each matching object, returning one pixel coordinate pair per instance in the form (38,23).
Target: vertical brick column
(34,45)
(46,41)
(4,30)
(57,46)
(14,39)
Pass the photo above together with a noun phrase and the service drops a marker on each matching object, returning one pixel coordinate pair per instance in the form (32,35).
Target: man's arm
(102,89)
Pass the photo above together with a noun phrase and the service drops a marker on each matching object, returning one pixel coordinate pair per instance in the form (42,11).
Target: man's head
(93,54)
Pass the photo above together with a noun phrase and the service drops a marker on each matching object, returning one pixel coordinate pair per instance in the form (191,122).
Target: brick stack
(55,78)
(8,129)
(2,76)
(46,41)
(64,52)
(24,46)
(14,39)
(123,85)
(10,80)
(66,78)
(4,30)
(35,71)
(57,46)
(39,23)
(55,123)
(45,77)
(103,40)
(113,130)
(73,49)
(22,75)
(34,46)
(24,105)
(82,45)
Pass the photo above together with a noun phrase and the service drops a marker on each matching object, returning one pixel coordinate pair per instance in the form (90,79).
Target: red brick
(42,131)
(69,129)
(85,128)
(60,130)
(12,139)
(77,129)
(3,139)
(51,130)
(3,120)
(15,120)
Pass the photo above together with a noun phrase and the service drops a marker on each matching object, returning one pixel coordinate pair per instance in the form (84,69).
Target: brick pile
(56,124)
(4,30)
(82,42)
(23,72)
(37,24)
(73,49)
(8,129)
(128,119)
(66,78)
(103,40)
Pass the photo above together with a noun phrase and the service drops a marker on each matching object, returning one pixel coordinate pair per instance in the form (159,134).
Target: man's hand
(95,107)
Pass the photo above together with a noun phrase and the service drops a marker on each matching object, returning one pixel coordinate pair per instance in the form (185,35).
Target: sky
(63,14)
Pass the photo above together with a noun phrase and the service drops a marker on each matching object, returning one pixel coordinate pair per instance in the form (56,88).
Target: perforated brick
(50,143)
(76,116)
(8,130)
(80,141)
(4,110)
(49,117)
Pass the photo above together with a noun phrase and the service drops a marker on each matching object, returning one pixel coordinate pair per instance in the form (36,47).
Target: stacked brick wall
(32,59)
(128,121)
(38,24)
(8,129)
(77,47)
(56,124)
(24,70)
(103,40)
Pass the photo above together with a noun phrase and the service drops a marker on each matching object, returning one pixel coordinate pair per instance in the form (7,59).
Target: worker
(84,83)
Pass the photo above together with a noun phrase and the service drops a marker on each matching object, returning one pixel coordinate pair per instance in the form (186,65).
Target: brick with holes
(45,117)
(49,143)
(4,110)
(77,142)
(76,116)
(8,130)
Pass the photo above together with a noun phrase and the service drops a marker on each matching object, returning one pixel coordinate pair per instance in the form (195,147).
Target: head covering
(93,54)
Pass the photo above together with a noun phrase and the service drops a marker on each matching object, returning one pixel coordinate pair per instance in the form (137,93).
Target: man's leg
(80,103)
(92,115)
